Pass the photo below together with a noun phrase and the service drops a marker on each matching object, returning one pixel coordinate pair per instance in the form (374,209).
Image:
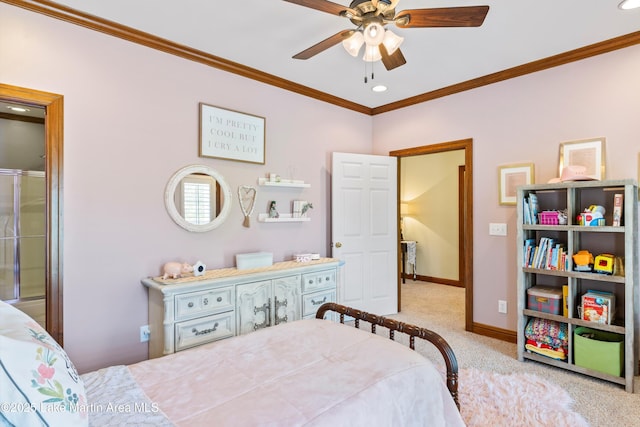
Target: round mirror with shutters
(198,198)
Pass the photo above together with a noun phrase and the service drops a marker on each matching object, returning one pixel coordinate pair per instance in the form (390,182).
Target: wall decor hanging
(247,197)
(509,178)
(588,153)
(231,135)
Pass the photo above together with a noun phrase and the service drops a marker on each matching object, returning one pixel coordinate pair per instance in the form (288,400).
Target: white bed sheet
(305,373)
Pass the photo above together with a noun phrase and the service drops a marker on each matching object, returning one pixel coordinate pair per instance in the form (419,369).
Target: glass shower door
(22,235)
(32,249)
(7,238)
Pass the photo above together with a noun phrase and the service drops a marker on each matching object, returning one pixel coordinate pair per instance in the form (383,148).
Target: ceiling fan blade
(392,61)
(324,44)
(323,6)
(466,16)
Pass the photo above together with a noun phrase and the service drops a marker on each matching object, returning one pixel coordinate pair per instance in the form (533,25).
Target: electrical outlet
(502,306)
(145,333)
(497,229)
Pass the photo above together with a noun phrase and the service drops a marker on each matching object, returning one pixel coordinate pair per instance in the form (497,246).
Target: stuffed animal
(176,269)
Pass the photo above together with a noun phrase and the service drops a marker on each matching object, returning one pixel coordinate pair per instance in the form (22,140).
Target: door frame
(466,214)
(53,125)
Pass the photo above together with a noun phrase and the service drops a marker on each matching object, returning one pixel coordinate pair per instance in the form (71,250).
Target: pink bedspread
(310,372)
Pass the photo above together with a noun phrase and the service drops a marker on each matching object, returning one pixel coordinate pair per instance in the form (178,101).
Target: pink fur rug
(490,399)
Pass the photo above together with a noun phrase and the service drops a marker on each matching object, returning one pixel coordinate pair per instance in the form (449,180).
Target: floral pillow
(39,386)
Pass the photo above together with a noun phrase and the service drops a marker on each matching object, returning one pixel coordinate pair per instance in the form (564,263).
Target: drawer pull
(279,304)
(266,310)
(311,281)
(190,305)
(219,299)
(322,301)
(205,301)
(205,331)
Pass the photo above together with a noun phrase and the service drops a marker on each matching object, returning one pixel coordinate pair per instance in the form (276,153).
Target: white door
(365,230)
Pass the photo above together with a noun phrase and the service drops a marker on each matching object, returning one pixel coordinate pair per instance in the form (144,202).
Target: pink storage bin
(548,217)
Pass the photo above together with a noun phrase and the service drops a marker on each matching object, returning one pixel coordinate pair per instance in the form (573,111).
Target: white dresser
(191,311)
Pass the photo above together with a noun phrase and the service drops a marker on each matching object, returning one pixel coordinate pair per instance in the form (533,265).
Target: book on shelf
(598,306)
(535,207)
(547,255)
(526,211)
(617,209)
(530,209)
(529,244)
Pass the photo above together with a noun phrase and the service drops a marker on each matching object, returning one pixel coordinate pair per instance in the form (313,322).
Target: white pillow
(38,383)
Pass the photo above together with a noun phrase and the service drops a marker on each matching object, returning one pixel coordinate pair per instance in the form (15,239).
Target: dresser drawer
(205,329)
(204,302)
(312,302)
(320,280)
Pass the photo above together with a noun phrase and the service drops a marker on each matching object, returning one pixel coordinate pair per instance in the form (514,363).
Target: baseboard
(493,332)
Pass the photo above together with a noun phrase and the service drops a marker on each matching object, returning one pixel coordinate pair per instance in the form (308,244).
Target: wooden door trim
(461,229)
(53,105)
(467,146)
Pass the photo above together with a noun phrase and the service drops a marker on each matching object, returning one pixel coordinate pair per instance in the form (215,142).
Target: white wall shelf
(282,183)
(263,217)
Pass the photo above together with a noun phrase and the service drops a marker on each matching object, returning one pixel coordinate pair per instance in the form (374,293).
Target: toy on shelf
(583,261)
(592,216)
(604,264)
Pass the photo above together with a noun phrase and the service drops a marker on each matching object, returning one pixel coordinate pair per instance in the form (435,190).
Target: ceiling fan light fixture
(629,4)
(391,41)
(372,54)
(373,34)
(353,43)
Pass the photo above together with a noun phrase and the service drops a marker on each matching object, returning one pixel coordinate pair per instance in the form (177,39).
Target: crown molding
(95,23)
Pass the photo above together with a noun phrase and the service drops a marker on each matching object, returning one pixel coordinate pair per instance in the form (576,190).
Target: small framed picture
(588,153)
(510,177)
(231,135)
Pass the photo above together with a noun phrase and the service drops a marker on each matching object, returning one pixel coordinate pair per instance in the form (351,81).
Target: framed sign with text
(231,135)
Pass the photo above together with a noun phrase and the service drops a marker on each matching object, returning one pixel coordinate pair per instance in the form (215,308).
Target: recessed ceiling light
(379,88)
(629,4)
(18,109)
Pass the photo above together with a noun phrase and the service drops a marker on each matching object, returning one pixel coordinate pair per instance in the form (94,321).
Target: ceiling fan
(371,16)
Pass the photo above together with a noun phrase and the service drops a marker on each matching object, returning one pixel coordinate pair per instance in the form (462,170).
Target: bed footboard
(411,330)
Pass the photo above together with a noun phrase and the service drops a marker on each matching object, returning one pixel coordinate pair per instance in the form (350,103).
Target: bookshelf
(621,240)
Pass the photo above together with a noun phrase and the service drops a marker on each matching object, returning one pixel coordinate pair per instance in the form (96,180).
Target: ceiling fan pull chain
(365,73)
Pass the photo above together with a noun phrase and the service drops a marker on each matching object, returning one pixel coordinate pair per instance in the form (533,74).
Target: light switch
(497,229)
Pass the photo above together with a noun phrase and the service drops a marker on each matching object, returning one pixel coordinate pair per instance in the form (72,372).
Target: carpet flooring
(441,308)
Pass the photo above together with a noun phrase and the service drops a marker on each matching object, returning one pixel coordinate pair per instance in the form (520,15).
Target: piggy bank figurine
(176,269)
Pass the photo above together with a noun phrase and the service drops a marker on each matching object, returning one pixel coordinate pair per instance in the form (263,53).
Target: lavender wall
(519,121)
(131,121)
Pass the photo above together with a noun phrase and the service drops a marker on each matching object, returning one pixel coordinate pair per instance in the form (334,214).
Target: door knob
(338,245)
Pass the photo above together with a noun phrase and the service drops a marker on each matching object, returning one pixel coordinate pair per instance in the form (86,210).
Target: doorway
(53,130)
(465,215)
